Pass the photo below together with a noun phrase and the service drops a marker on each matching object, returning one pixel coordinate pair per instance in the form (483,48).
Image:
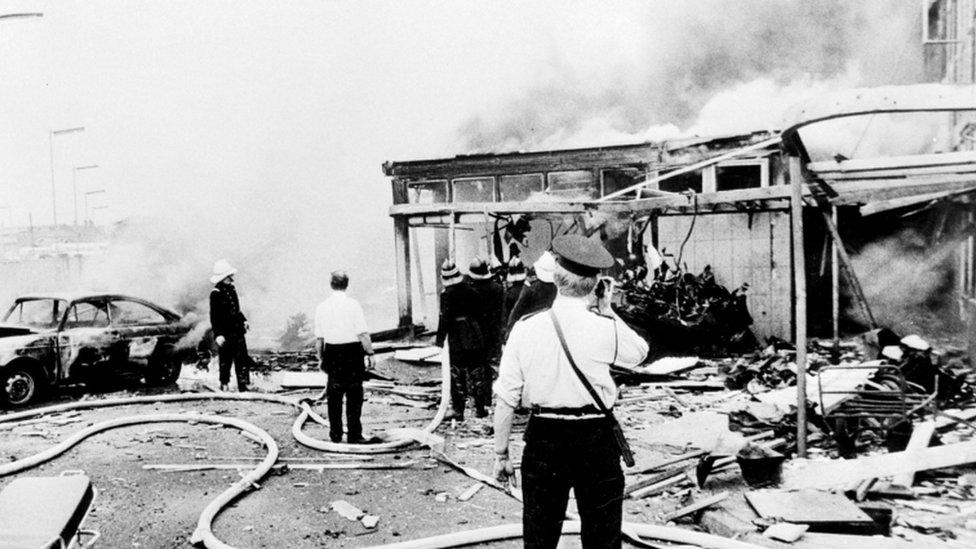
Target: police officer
(229,326)
(459,325)
(568,443)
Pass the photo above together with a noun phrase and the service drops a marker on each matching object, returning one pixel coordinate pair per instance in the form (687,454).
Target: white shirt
(534,370)
(339,319)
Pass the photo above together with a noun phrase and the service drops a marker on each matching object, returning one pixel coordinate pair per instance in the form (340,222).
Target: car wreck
(54,339)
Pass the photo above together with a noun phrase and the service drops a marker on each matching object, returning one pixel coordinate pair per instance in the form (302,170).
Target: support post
(401,229)
(800,303)
(835,291)
(404,290)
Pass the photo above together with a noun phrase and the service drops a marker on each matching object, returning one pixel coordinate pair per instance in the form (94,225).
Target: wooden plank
(856,165)
(672,365)
(922,434)
(696,506)
(825,474)
(812,507)
(799,303)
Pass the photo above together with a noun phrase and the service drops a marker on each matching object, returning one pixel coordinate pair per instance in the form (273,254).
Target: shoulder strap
(579,374)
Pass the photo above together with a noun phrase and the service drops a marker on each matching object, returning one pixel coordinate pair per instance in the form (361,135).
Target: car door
(86,342)
(139,327)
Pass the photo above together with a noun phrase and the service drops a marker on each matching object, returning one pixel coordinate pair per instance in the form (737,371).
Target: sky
(256,131)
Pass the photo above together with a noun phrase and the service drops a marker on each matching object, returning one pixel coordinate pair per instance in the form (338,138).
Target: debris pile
(679,312)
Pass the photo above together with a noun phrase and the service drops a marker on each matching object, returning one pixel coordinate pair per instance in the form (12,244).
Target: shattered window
(87,315)
(576,184)
(474,189)
(427,192)
(514,188)
(681,183)
(730,178)
(129,313)
(37,313)
(618,179)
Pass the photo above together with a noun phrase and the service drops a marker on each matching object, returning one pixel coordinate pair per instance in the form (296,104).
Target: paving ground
(142,508)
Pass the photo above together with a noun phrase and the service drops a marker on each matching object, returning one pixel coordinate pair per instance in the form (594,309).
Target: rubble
(681,313)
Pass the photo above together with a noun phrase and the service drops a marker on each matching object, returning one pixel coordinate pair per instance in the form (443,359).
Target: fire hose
(204,533)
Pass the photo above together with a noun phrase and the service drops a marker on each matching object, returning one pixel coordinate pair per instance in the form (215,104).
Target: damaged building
(721,203)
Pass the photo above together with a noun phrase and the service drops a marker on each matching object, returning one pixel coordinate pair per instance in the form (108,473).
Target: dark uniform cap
(580,255)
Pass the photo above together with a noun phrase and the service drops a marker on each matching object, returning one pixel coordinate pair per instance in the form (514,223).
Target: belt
(583,412)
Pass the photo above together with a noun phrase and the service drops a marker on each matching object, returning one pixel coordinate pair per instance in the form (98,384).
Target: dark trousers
(470,375)
(234,350)
(578,454)
(344,365)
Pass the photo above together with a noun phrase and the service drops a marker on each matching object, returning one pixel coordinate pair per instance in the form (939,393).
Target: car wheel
(164,370)
(18,386)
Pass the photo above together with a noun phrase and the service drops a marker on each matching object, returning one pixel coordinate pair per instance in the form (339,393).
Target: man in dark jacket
(492,319)
(459,325)
(536,296)
(229,327)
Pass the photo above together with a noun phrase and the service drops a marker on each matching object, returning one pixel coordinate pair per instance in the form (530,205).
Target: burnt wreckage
(722,242)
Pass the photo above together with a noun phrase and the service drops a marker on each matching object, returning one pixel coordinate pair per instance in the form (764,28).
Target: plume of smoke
(713,66)
(906,282)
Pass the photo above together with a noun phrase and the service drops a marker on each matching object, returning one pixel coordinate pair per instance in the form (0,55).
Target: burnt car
(52,339)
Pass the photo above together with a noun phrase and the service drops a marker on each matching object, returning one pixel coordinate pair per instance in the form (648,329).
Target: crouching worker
(343,346)
(569,442)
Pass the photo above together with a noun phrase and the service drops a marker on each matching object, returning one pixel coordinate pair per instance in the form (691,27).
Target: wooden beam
(845,261)
(800,302)
(921,437)
(839,472)
(401,230)
(835,291)
(778,194)
(962,159)
(696,506)
(635,155)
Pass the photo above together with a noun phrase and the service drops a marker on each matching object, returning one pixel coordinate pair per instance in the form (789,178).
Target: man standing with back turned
(569,441)
(343,344)
(229,326)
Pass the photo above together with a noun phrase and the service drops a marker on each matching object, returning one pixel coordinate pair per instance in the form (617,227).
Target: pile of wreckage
(897,409)
(679,312)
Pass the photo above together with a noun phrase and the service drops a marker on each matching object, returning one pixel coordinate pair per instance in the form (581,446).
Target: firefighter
(229,326)
(459,326)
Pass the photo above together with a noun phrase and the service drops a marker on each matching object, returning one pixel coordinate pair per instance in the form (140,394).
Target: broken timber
(921,436)
(696,506)
(824,474)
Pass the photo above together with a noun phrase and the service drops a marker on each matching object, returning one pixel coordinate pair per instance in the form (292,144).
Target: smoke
(709,67)
(907,282)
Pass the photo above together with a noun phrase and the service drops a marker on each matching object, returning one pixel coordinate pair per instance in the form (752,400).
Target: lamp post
(20,15)
(54,190)
(74,185)
(87,194)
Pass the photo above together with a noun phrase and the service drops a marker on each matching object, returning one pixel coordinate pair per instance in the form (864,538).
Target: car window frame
(64,319)
(55,313)
(164,318)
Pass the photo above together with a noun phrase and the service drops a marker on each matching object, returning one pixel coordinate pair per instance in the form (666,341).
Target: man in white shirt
(569,443)
(343,345)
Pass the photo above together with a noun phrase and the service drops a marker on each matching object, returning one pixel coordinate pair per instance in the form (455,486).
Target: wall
(739,253)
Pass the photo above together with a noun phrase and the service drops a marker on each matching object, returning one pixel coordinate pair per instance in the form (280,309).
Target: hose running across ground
(204,532)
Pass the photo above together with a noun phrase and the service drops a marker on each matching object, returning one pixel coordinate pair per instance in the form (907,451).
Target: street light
(74,185)
(20,15)
(54,190)
(87,194)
